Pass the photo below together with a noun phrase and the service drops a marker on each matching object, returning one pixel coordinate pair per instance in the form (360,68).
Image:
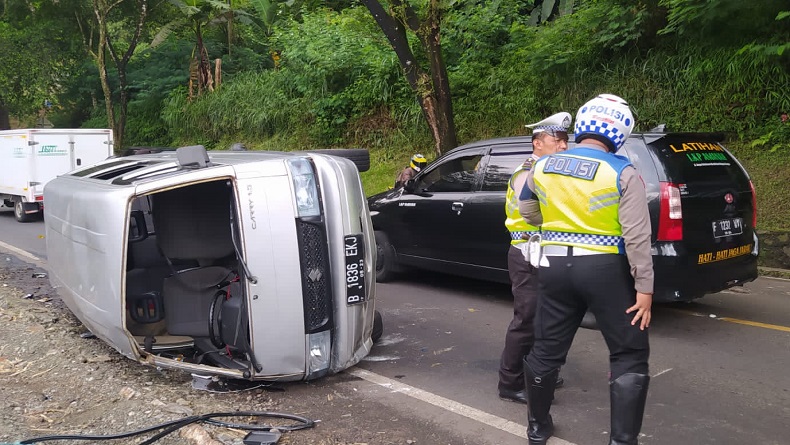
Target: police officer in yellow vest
(548,137)
(592,209)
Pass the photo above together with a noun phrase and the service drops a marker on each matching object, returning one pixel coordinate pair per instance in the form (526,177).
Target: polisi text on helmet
(606,111)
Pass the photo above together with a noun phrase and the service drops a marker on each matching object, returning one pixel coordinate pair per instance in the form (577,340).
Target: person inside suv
(417,163)
(548,137)
(595,239)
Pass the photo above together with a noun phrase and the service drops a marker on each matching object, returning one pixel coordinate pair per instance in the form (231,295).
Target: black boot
(628,395)
(540,394)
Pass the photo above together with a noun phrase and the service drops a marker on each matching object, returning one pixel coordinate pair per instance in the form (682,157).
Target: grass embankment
(770,173)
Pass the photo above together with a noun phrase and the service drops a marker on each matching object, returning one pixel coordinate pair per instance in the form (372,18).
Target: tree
(197,15)
(36,58)
(431,85)
(104,38)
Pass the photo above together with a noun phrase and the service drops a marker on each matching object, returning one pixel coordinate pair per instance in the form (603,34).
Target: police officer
(548,136)
(417,163)
(596,254)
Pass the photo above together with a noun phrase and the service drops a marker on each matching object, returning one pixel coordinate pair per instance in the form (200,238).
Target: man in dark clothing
(548,137)
(417,163)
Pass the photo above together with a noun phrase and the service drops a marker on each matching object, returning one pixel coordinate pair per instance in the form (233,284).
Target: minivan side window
(454,175)
(501,166)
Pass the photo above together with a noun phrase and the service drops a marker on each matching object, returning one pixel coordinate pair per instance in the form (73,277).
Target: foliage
(341,65)
(37,53)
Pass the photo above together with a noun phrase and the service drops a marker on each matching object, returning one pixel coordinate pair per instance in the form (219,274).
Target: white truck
(29,158)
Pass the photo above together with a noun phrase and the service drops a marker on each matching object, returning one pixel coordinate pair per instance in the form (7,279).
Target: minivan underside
(184,293)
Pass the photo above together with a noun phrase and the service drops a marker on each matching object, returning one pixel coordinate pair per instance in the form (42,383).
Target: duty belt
(518,234)
(582,238)
(557,250)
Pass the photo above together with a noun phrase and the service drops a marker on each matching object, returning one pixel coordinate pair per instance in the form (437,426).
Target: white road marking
(449,405)
(662,372)
(381,358)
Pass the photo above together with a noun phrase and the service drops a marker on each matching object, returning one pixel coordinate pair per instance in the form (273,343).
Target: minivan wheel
(385,258)
(378,327)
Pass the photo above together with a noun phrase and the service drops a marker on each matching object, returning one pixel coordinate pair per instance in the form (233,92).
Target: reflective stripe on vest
(514,222)
(579,194)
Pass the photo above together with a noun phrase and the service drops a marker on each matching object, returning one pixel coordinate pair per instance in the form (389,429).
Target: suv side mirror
(411,187)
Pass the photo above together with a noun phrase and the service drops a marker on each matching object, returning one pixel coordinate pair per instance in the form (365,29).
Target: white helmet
(606,118)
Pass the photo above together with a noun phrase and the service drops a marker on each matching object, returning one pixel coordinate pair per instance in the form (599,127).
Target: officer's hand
(642,308)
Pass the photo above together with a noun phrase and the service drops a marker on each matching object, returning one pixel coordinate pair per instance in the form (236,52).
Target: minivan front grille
(316,277)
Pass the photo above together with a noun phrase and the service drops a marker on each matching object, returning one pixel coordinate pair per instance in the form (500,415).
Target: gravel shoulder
(53,381)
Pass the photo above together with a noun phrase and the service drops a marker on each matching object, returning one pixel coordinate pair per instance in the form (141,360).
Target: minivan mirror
(138,229)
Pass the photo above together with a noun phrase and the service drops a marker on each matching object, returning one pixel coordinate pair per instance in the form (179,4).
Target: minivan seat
(193,223)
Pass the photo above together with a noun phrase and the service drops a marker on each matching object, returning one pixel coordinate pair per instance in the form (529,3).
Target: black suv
(450,218)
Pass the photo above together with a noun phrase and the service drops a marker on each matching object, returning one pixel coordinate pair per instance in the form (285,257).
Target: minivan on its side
(703,212)
(241,264)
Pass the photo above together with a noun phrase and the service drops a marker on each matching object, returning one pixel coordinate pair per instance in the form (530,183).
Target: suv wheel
(385,258)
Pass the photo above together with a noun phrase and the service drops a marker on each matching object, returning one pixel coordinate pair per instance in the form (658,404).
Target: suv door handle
(457,207)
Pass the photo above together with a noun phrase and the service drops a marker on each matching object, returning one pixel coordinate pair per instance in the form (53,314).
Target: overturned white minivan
(249,265)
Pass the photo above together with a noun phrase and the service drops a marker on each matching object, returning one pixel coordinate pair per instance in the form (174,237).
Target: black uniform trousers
(521,332)
(571,284)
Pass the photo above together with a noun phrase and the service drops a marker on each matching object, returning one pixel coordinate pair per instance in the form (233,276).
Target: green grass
(770,173)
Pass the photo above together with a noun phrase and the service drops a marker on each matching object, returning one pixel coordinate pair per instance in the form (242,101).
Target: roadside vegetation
(296,74)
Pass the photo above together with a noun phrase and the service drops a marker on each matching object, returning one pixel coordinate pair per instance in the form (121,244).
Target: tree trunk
(100,12)
(119,129)
(432,89)
(105,46)
(431,41)
(5,119)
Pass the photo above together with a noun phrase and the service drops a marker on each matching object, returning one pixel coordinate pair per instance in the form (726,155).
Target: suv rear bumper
(679,278)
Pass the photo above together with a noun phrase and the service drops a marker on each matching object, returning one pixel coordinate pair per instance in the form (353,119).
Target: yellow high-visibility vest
(514,222)
(579,194)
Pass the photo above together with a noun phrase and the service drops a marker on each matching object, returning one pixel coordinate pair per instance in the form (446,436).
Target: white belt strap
(531,250)
(558,250)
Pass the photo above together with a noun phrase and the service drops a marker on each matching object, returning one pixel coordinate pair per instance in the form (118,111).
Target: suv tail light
(754,206)
(670,219)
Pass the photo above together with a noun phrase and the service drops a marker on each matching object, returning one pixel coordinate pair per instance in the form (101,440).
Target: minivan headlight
(318,354)
(305,187)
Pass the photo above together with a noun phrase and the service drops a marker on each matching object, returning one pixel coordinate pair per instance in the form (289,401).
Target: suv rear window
(689,158)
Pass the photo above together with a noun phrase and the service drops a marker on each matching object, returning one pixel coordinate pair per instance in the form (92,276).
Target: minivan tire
(385,258)
(378,327)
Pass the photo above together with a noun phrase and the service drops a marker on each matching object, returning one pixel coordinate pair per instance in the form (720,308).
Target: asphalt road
(719,365)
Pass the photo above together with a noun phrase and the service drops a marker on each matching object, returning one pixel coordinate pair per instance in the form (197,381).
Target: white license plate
(727,227)
(355,269)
